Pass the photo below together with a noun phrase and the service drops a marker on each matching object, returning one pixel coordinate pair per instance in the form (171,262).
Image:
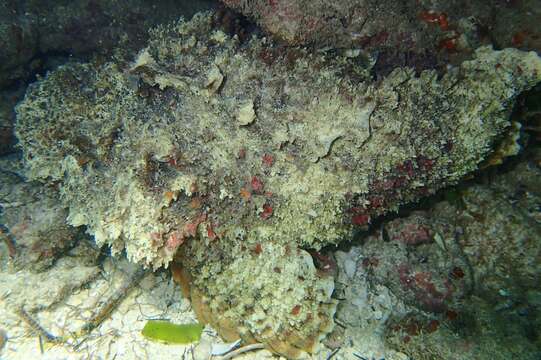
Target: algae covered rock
(489,234)
(418,33)
(408,260)
(481,240)
(463,274)
(232,156)
(32,221)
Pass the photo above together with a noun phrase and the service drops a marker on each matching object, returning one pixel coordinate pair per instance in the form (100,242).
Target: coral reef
(233,157)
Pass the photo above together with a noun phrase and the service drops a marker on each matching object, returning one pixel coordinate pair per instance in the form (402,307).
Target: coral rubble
(234,157)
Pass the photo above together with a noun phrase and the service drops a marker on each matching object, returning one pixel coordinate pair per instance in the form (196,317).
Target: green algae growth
(169,333)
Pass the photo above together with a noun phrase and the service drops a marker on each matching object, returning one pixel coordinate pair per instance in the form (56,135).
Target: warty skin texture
(219,152)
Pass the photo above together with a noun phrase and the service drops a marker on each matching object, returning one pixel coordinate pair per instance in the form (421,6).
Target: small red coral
(433,17)
(267,212)
(258,249)
(268,160)
(257,184)
(190,229)
(360,219)
(449,44)
(175,239)
(210,232)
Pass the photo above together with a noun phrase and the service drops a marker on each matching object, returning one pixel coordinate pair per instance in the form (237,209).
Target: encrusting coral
(233,157)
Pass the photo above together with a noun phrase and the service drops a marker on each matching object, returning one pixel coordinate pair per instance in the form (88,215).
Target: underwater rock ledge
(233,157)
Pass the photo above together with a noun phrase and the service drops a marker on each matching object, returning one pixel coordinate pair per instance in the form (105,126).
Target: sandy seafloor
(68,293)
(64,297)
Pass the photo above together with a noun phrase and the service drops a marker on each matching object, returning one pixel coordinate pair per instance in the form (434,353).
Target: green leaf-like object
(169,333)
